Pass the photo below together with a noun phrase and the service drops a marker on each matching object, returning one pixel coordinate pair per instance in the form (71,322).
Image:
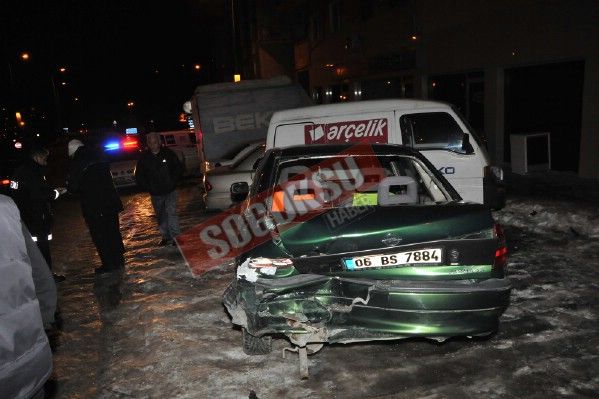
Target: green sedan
(362,243)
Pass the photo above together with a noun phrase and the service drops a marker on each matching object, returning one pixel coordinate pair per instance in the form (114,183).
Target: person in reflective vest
(34,196)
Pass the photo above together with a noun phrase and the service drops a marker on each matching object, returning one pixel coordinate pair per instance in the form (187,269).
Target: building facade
(509,66)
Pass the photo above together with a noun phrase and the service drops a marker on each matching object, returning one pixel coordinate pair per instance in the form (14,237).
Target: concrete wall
(589,141)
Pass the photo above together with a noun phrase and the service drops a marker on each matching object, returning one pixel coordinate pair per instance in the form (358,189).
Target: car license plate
(421,256)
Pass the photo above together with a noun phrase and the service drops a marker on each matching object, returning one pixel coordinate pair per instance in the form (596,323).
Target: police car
(122,153)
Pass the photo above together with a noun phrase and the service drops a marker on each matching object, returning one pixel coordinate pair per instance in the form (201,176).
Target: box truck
(229,116)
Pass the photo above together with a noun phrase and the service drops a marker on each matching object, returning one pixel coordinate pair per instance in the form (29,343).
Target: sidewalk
(552,185)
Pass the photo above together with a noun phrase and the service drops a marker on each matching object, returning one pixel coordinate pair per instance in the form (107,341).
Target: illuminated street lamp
(62,69)
(130,104)
(197,67)
(25,56)
(19,119)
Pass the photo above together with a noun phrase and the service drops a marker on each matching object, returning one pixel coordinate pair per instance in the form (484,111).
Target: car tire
(253,345)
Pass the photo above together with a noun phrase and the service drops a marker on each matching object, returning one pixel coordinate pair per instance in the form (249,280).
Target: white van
(183,143)
(433,128)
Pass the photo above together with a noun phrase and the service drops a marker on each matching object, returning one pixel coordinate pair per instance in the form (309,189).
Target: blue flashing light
(112,145)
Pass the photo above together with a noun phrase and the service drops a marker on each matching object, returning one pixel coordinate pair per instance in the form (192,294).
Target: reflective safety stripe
(14,185)
(35,238)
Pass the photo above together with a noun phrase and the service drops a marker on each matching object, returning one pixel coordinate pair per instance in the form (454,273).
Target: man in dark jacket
(33,195)
(158,171)
(25,356)
(89,176)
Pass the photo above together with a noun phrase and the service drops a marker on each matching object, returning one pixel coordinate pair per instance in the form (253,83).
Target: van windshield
(475,136)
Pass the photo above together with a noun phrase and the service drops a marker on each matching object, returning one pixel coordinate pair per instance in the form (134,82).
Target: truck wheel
(256,345)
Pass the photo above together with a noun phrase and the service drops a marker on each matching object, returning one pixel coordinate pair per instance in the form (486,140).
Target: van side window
(170,139)
(434,130)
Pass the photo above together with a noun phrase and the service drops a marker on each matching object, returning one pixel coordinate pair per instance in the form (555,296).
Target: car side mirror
(239,191)
(466,146)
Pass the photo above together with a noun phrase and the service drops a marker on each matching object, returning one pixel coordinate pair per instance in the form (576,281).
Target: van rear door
(442,139)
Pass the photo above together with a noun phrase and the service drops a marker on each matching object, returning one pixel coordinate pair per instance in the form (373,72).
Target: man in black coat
(33,195)
(89,176)
(158,171)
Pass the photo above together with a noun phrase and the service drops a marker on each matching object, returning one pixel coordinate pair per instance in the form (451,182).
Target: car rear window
(396,180)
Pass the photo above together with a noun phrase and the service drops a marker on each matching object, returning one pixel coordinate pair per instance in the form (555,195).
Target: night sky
(114,52)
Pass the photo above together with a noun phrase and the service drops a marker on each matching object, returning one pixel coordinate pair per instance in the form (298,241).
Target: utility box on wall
(531,152)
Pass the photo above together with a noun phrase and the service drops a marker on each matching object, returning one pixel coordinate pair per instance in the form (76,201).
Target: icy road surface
(159,332)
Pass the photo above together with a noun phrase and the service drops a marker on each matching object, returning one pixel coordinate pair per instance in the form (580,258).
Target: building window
(170,139)
(366,9)
(316,28)
(327,95)
(356,91)
(339,93)
(317,95)
(335,16)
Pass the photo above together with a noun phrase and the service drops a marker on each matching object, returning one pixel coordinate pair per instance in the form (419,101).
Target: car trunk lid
(463,234)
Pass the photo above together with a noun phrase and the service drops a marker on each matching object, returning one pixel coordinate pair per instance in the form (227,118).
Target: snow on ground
(158,332)
(551,218)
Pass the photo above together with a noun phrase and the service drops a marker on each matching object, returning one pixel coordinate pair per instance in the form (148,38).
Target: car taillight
(207,186)
(5,182)
(129,143)
(501,252)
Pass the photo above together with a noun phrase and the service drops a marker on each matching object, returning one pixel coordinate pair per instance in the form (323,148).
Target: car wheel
(256,345)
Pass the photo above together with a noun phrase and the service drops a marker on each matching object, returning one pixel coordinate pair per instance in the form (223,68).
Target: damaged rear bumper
(311,308)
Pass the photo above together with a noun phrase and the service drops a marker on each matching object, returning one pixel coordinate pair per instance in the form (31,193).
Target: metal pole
(234,33)
(56,103)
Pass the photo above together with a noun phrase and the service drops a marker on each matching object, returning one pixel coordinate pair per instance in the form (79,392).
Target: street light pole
(234,36)
(56,102)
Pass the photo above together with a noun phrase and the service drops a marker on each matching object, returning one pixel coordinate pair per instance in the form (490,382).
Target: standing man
(158,172)
(89,176)
(33,195)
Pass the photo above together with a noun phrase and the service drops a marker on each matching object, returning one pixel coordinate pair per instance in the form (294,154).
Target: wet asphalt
(155,331)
